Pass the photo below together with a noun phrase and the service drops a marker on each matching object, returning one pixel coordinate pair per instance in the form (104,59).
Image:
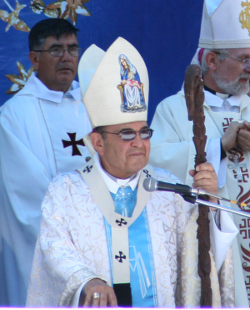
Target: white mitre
(225,24)
(118,90)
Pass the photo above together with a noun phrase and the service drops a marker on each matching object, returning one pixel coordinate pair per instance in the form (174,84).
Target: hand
(205,178)
(243,137)
(229,139)
(107,294)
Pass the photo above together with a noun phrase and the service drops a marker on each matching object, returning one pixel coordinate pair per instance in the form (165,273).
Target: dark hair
(55,27)
(100,130)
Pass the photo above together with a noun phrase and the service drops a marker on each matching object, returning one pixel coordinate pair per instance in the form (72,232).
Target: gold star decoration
(18,80)
(61,9)
(12,18)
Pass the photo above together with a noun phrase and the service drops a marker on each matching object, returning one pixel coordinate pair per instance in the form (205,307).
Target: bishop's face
(231,75)
(122,158)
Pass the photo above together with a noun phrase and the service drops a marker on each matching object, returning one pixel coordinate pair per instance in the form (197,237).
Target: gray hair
(222,54)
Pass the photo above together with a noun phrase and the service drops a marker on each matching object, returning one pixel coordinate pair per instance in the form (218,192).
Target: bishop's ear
(98,142)
(212,60)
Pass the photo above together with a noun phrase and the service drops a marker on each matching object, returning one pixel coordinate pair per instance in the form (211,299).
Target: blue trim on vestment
(142,271)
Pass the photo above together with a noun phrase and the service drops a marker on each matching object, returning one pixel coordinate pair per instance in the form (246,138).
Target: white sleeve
(57,257)
(74,303)
(25,177)
(172,146)
(221,239)
(214,157)
(167,148)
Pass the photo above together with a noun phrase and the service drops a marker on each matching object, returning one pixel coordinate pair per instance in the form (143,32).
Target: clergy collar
(222,96)
(209,89)
(112,182)
(36,88)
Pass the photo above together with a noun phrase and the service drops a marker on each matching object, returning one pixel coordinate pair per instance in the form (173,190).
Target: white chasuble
(72,247)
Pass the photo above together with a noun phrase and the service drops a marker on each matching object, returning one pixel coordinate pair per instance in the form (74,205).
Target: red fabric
(200,54)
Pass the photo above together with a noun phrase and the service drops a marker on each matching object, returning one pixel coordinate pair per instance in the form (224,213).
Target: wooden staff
(194,98)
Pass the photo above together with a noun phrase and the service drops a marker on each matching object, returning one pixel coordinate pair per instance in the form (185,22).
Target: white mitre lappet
(118,90)
(88,63)
(225,24)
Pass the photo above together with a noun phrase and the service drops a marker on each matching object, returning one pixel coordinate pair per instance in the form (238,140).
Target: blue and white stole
(142,272)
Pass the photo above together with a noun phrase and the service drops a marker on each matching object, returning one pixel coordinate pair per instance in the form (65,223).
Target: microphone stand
(195,199)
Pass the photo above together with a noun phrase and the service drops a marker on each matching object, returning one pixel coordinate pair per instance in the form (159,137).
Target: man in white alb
(41,134)
(224,56)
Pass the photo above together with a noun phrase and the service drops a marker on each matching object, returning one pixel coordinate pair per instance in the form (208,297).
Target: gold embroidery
(12,19)
(18,80)
(61,9)
(245,16)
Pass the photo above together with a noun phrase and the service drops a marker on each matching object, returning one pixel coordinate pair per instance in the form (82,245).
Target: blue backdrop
(165,32)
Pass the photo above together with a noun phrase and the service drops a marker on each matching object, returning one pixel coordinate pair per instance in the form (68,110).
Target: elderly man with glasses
(106,241)
(224,58)
(41,134)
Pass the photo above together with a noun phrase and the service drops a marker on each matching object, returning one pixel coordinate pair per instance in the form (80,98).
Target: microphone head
(150,184)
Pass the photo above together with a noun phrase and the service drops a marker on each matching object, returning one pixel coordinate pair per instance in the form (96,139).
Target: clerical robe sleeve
(172,145)
(169,148)
(62,260)
(23,183)
(221,239)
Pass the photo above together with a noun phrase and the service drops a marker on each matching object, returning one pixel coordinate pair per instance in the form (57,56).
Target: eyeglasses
(244,61)
(130,134)
(58,51)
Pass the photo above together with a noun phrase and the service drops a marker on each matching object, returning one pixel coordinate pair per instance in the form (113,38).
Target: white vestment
(33,125)
(172,148)
(72,245)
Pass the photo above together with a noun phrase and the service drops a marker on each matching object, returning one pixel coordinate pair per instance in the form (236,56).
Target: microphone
(150,185)
(190,194)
